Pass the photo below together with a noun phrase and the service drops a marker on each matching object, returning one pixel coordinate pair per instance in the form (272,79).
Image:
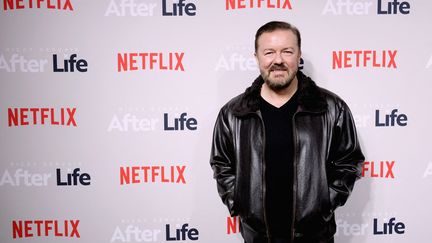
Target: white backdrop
(118,149)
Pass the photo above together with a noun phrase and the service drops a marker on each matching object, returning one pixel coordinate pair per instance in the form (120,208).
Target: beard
(281,80)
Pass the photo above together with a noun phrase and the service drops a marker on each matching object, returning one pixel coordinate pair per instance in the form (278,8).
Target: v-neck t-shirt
(279,154)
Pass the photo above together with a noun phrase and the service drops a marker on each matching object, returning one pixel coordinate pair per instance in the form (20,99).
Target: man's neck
(278,98)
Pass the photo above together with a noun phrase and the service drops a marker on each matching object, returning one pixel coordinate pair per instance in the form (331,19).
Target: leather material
(327,160)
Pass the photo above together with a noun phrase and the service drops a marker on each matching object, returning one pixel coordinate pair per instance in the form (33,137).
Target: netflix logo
(44,228)
(378,169)
(41,116)
(149,61)
(253,4)
(364,59)
(41,4)
(233,225)
(173,174)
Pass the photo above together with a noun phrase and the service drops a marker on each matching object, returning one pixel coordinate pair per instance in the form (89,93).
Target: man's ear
(299,59)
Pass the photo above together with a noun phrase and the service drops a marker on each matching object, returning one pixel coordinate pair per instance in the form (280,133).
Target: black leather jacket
(327,160)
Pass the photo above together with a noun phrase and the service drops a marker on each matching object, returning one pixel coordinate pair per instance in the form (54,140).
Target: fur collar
(310,96)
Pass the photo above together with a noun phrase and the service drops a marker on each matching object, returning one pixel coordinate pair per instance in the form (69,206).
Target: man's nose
(278,58)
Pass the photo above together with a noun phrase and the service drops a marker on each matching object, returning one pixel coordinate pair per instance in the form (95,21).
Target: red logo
(150,61)
(152,174)
(239,4)
(233,225)
(364,58)
(34,228)
(41,116)
(382,169)
(49,4)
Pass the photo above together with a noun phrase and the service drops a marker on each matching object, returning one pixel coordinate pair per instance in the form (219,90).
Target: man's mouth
(278,69)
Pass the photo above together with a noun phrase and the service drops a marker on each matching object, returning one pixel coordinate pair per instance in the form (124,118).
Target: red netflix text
(41,116)
(152,174)
(364,58)
(241,4)
(36,228)
(382,169)
(48,4)
(150,61)
(233,225)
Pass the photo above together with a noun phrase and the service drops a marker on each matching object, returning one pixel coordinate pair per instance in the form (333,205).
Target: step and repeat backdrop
(107,111)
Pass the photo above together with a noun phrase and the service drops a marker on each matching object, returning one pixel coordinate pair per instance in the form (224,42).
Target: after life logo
(178,8)
(144,8)
(352,7)
(379,115)
(236,58)
(135,233)
(380,227)
(344,227)
(26,177)
(347,228)
(181,123)
(72,179)
(236,61)
(133,8)
(390,120)
(388,228)
(17,62)
(31,60)
(393,7)
(70,64)
(130,122)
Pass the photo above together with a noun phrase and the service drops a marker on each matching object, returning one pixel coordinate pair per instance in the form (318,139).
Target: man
(285,153)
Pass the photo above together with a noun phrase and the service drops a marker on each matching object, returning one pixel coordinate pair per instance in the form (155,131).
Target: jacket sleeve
(222,161)
(346,158)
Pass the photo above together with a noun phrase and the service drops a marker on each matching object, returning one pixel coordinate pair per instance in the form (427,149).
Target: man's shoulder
(331,97)
(233,104)
(333,100)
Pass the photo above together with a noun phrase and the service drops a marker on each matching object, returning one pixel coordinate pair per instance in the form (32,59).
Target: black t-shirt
(279,150)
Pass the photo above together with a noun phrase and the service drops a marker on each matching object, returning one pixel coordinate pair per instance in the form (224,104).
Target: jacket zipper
(294,184)
(295,172)
(264,178)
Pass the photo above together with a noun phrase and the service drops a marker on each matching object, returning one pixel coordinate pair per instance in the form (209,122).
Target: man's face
(278,56)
